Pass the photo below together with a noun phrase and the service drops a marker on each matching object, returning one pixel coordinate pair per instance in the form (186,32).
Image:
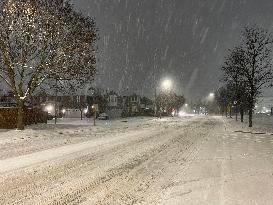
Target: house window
(134,99)
(112,99)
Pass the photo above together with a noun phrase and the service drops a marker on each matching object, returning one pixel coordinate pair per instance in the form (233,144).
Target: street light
(211,97)
(49,108)
(166,84)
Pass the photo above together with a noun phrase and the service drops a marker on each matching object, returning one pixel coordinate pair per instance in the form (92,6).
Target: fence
(8,117)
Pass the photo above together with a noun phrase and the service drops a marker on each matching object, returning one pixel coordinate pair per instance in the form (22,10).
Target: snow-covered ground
(261,123)
(188,160)
(67,131)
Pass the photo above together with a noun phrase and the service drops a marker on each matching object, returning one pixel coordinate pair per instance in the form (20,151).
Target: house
(131,105)
(114,106)
(7,100)
(135,104)
(66,106)
(49,107)
(147,106)
(146,103)
(264,105)
(112,101)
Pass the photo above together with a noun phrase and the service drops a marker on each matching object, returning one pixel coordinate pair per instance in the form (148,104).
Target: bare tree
(257,67)
(248,68)
(233,77)
(42,40)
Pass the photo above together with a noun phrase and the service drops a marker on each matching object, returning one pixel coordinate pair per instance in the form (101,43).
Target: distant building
(264,105)
(114,108)
(75,106)
(147,106)
(7,100)
(146,103)
(49,107)
(131,105)
(73,113)
(135,104)
(112,101)
(66,106)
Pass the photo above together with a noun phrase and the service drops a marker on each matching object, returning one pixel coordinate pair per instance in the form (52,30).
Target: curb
(254,133)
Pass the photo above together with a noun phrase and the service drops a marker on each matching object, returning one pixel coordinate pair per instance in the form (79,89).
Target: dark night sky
(185,40)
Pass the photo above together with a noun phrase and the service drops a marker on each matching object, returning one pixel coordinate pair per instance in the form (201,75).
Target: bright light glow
(211,95)
(166,84)
(186,105)
(63,111)
(49,108)
(184,114)
(85,110)
(181,113)
(173,113)
(264,110)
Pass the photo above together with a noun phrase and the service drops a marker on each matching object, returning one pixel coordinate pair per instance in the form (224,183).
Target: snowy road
(198,160)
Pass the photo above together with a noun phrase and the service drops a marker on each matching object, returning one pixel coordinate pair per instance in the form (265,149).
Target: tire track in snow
(73,177)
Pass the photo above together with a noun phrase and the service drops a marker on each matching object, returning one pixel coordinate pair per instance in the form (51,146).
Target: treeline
(246,71)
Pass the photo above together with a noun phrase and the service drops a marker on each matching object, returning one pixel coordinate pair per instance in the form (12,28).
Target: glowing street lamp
(211,97)
(166,84)
(49,108)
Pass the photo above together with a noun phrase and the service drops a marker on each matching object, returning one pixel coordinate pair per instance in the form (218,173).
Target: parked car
(103,116)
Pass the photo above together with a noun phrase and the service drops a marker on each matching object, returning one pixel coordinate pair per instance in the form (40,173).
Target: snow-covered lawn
(67,131)
(261,123)
(70,131)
